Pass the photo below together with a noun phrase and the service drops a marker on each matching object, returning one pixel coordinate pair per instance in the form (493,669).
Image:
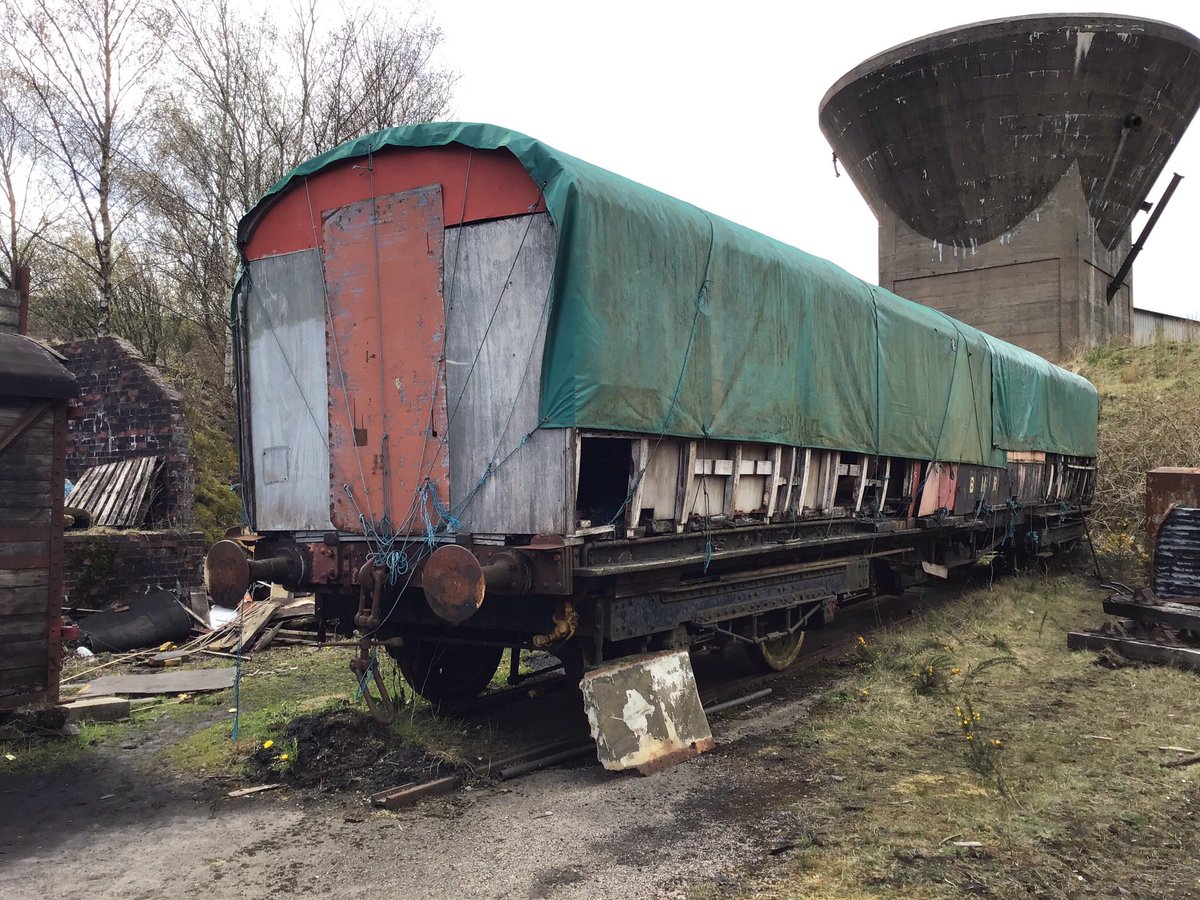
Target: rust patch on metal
(1167,487)
(226,573)
(454,583)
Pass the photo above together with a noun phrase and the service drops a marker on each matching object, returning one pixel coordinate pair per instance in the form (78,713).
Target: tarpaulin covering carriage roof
(668,319)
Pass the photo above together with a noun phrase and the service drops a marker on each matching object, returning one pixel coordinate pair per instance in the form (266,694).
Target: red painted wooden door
(384,344)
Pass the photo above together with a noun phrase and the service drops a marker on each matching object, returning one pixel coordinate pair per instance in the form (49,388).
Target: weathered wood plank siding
(1160,328)
(32,463)
(288,392)
(497,288)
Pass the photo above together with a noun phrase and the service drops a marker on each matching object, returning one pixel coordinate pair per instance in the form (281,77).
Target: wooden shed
(34,393)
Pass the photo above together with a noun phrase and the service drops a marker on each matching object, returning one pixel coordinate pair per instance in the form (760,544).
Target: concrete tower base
(1042,285)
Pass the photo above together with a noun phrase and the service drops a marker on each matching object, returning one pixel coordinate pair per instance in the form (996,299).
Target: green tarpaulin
(667,319)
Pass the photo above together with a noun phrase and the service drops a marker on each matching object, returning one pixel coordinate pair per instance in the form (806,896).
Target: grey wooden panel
(533,490)
(289,392)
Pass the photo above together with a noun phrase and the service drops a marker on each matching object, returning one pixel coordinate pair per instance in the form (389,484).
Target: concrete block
(97,709)
(645,712)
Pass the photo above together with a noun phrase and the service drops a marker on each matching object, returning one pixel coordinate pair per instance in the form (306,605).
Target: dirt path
(106,831)
(114,828)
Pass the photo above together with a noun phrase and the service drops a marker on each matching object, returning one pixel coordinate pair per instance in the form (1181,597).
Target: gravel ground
(108,831)
(115,826)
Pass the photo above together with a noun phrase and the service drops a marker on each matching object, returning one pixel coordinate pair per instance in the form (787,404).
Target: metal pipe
(1119,278)
(737,701)
(534,764)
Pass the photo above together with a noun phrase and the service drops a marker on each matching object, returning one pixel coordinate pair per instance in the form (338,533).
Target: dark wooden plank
(24,578)
(30,518)
(1177,615)
(25,548)
(1143,651)
(10,486)
(24,627)
(39,500)
(22,654)
(20,687)
(25,423)
(19,601)
(57,591)
(28,533)
(31,465)
(13,561)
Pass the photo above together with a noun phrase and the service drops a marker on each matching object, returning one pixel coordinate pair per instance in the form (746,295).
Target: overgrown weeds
(1149,417)
(1050,771)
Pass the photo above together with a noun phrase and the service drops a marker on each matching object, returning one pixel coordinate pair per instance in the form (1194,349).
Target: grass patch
(1047,760)
(32,754)
(285,685)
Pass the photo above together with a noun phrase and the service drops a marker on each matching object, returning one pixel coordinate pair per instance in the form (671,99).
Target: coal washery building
(1006,160)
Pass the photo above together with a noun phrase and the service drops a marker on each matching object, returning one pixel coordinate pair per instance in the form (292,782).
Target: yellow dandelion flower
(864,692)
(267,745)
(283,757)
(956,671)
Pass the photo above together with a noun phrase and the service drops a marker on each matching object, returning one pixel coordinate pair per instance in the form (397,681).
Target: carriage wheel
(446,674)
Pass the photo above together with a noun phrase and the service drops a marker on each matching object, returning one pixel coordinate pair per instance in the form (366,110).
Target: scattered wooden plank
(246,792)
(204,626)
(117,660)
(300,608)
(267,636)
(408,794)
(187,682)
(1165,612)
(169,657)
(1130,648)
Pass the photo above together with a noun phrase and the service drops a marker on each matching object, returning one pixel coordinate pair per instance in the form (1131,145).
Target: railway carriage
(493,396)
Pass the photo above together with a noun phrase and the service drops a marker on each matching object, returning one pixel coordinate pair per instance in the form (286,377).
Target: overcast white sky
(716,103)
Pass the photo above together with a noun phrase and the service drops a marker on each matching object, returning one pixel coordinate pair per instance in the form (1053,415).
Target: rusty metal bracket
(384,707)
(369,580)
(566,621)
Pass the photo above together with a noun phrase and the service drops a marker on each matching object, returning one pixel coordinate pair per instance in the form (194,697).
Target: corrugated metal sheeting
(1177,554)
(1159,328)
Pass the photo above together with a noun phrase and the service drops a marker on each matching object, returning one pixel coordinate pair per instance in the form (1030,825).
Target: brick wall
(103,568)
(130,410)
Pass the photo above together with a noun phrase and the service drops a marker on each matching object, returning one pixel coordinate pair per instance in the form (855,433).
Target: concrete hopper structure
(1006,160)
